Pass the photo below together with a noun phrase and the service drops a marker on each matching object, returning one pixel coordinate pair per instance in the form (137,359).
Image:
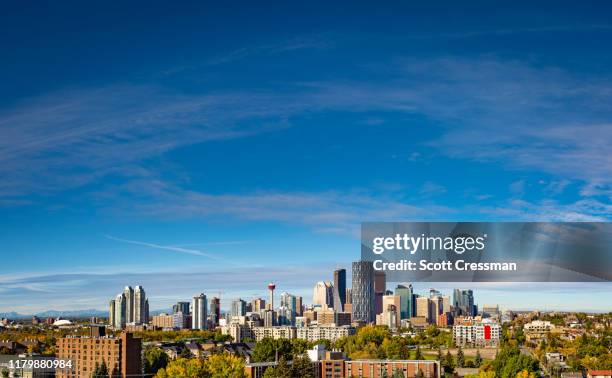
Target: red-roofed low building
(599,374)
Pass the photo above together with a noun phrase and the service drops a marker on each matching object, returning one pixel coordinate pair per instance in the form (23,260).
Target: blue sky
(205,148)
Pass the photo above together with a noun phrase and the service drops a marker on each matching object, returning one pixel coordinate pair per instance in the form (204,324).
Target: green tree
(299,346)
(282,370)
(417,353)
(395,348)
(398,374)
(460,358)
(266,350)
(155,359)
(510,361)
(222,365)
(302,367)
(420,374)
(448,364)
(440,354)
(478,359)
(5,373)
(100,371)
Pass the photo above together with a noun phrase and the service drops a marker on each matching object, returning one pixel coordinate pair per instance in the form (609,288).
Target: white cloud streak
(189,251)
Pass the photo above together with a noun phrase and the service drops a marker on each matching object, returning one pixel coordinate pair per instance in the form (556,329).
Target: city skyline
(222,149)
(483,296)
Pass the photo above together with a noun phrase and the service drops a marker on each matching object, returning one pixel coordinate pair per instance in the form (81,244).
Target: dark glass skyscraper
(181,307)
(339,289)
(405,294)
(363,292)
(463,301)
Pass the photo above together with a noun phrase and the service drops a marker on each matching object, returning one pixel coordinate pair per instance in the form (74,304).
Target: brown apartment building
(342,368)
(122,355)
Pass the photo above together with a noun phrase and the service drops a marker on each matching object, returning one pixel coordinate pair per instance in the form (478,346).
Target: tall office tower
(423,308)
(298,306)
(446,304)
(111,313)
(199,313)
(269,318)
(456,298)
(238,307)
(289,302)
(380,288)
(182,307)
(140,298)
(215,311)
(363,292)
(285,316)
(323,294)
(146,311)
(380,282)
(128,292)
(463,300)
(339,289)
(349,296)
(120,311)
(258,305)
(414,298)
(436,307)
(405,307)
(271,287)
(395,302)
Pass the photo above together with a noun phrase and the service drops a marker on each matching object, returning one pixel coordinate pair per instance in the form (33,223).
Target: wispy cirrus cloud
(509,112)
(328,211)
(189,251)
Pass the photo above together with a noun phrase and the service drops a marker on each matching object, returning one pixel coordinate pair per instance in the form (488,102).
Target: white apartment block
(324,332)
(538,326)
(478,334)
(276,332)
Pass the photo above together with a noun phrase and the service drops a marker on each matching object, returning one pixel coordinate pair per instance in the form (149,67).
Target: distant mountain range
(56,314)
(66,314)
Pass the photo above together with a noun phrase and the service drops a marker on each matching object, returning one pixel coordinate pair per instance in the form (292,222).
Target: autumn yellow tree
(184,368)
(224,365)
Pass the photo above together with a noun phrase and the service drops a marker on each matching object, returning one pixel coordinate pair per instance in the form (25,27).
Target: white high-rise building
(323,294)
(395,301)
(140,313)
(289,302)
(120,311)
(199,312)
(128,293)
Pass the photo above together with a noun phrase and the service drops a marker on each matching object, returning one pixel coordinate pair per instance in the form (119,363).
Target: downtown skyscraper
(339,290)
(323,294)
(129,307)
(463,301)
(363,292)
(141,306)
(215,311)
(406,308)
(238,307)
(199,313)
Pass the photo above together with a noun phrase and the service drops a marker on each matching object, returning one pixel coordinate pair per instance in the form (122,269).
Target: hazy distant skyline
(199,147)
